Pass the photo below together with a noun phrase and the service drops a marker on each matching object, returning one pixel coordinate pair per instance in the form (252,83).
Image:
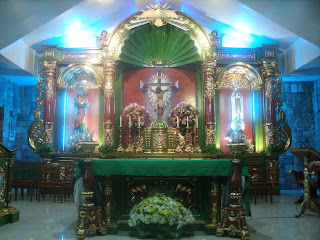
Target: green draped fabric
(162,167)
(166,167)
(169,46)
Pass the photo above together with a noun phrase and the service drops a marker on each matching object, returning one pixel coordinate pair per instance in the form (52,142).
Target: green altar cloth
(162,167)
(167,167)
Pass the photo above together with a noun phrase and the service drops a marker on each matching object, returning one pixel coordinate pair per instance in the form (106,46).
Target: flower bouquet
(159,217)
(186,114)
(135,116)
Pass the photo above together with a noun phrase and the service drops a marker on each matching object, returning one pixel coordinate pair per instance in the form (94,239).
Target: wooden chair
(67,170)
(49,180)
(259,181)
(25,176)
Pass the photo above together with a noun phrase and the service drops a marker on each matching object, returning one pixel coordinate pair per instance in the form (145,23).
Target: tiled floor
(47,221)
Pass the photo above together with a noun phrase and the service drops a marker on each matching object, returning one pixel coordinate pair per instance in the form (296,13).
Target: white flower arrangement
(159,216)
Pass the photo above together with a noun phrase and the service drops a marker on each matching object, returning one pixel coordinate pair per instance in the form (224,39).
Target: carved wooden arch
(62,78)
(239,75)
(201,37)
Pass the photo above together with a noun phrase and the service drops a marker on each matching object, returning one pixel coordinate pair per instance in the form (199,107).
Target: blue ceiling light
(229,41)
(79,35)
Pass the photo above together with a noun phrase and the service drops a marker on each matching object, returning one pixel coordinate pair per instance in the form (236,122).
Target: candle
(138,121)
(197,124)
(187,121)
(129,121)
(120,121)
(177,121)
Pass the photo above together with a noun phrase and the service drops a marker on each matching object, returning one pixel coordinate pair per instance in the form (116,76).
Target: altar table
(122,177)
(162,167)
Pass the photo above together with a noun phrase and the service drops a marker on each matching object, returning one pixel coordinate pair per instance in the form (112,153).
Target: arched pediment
(239,75)
(76,74)
(202,40)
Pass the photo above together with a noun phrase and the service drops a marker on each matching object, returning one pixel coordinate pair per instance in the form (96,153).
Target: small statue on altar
(159,101)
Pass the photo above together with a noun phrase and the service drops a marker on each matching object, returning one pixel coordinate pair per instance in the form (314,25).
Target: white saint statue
(237,110)
(237,123)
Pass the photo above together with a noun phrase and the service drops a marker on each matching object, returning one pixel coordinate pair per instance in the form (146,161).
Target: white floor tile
(51,221)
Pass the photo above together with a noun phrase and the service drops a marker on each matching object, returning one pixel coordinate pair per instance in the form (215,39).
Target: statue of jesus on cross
(159,102)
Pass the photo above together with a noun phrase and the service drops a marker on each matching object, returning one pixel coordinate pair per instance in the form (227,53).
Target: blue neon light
(253,107)
(79,35)
(64,121)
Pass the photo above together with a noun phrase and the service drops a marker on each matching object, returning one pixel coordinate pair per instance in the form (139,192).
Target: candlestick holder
(120,147)
(130,145)
(139,148)
(189,147)
(179,141)
(197,148)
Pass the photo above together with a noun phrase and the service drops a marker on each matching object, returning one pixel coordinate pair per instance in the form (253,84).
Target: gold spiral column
(209,91)
(108,88)
(270,71)
(50,69)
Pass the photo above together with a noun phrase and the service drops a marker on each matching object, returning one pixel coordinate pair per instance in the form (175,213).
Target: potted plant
(159,217)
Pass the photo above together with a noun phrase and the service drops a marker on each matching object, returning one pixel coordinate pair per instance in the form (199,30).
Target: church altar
(161,167)
(161,95)
(197,183)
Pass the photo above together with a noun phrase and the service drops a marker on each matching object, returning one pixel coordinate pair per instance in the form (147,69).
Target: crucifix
(159,103)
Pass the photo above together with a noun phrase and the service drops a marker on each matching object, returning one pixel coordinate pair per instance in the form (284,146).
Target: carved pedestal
(90,221)
(90,216)
(233,220)
(233,217)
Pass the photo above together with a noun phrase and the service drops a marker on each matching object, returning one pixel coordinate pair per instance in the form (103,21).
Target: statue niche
(239,87)
(78,108)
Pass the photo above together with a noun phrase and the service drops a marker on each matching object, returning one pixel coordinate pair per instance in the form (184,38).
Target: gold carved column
(49,70)
(215,201)
(210,121)
(108,88)
(270,71)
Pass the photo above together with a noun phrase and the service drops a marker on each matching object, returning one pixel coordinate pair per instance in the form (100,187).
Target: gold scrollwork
(36,129)
(209,134)
(269,88)
(92,229)
(48,132)
(235,80)
(3,182)
(209,72)
(109,71)
(282,136)
(108,134)
(50,68)
(35,134)
(159,140)
(270,71)
(269,132)
(270,68)
(239,75)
